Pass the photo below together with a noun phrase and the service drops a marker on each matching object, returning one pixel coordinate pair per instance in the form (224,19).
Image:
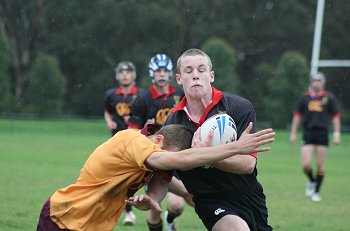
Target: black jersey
(317,109)
(152,105)
(118,104)
(200,181)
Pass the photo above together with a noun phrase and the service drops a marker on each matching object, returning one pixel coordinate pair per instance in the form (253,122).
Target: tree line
(58,57)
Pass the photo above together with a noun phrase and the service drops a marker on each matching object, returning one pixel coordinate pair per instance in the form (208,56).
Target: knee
(175,208)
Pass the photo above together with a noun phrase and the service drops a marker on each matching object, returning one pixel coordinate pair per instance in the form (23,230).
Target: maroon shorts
(45,223)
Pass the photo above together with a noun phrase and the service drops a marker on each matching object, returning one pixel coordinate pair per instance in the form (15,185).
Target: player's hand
(336,138)
(150,121)
(251,142)
(197,142)
(292,138)
(112,125)
(143,202)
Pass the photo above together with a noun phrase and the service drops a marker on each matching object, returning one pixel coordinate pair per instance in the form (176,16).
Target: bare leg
(229,223)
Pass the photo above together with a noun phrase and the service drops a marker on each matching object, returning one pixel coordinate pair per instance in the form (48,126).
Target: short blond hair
(192,52)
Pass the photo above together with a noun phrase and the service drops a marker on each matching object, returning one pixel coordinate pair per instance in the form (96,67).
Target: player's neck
(196,107)
(126,88)
(161,90)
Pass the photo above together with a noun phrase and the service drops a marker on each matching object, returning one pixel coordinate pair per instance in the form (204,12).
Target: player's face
(161,77)
(316,85)
(195,76)
(125,78)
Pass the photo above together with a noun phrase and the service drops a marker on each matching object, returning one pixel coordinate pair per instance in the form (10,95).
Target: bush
(46,87)
(224,60)
(289,82)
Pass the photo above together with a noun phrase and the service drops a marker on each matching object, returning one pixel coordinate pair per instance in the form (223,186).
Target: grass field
(38,157)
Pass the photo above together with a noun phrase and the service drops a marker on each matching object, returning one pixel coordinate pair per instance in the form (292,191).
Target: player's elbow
(250,166)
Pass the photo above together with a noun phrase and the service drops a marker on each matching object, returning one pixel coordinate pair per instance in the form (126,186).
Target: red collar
(133,91)
(314,95)
(155,94)
(217,96)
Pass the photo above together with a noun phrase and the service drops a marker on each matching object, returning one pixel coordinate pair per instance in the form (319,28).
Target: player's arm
(177,187)
(239,164)
(196,157)
(157,189)
(109,121)
(294,127)
(336,129)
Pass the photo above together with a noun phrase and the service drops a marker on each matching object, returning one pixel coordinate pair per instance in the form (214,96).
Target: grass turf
(38,157)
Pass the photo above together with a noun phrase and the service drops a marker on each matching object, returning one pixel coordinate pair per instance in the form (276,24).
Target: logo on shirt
(218,211)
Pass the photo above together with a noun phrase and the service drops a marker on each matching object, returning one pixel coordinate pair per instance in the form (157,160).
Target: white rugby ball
(224,128)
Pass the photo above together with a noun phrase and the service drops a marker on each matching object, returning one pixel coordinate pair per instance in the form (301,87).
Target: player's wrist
(336,134)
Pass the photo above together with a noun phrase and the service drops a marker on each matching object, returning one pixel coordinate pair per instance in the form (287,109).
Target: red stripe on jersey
(155,94)
(336,115)
(216,97)
(131,125)
(297,113)
(133,91)
(254,155)
(164,175)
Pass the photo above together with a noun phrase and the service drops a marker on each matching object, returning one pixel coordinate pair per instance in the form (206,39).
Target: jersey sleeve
(299,109)
(333,108)
(139,149)
(107,105)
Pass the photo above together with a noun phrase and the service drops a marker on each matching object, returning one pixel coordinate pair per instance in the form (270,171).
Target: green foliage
(6,96)
(264,72)
(90,37)
(286,86)
(224,60)
(46,88)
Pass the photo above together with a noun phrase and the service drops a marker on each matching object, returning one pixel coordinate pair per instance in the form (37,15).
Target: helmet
(160,61)
(126,65)
(318,76)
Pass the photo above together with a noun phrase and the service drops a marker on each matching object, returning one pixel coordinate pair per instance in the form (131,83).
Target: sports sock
(319,180)
(171,216)
(155,227)
(128,208)
(309,175)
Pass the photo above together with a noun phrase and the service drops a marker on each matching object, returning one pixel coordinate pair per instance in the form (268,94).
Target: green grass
(38,157)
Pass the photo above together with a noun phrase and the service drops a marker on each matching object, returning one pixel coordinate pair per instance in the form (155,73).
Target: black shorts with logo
(251,207)
(315,136)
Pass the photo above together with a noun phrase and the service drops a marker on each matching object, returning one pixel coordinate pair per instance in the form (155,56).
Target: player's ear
(212,76)
(178,79)
(158,139)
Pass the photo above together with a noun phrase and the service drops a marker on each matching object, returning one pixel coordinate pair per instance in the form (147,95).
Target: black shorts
(251,207)
(315,136)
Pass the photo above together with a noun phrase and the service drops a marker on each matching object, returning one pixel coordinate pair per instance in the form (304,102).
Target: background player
(117,107)
(316,106)
(153,107)
(227,196)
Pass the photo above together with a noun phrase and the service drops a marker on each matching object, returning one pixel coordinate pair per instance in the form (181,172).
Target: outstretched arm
(196,157)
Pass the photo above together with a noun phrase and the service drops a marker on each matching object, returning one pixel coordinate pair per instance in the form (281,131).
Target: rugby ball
(224,128)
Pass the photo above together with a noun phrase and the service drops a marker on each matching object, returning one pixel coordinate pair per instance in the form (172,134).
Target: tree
(6,98)
(224,60)
(289,82)
(46,87)
(19,26)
